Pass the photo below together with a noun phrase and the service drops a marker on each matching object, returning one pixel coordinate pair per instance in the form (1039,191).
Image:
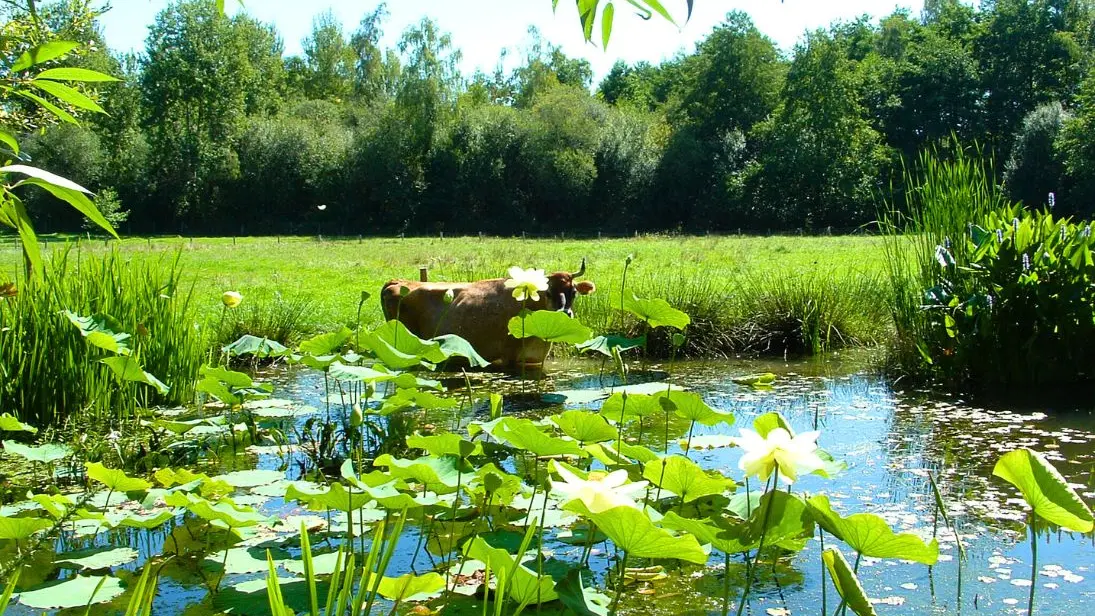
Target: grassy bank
(744,293)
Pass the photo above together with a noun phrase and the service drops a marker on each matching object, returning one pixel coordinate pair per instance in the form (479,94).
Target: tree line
(213,129)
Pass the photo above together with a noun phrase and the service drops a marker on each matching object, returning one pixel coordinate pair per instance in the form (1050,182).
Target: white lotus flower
(600,492)
(790,456)
(526,283)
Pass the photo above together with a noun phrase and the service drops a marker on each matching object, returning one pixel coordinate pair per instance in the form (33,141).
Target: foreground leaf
(870,535)
(633,532)
(657,312)
(1044,489)
(11,424)
(549,326)
(115,479)
(846,582)
(76,592)
(21,528)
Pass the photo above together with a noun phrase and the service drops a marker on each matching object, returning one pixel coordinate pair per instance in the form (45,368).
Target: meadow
(739,289)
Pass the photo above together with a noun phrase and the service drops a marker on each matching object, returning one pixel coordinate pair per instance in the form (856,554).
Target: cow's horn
(581,270)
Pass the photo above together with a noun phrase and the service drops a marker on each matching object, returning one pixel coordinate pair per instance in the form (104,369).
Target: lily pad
(99,559)
(76,592)
(250,479)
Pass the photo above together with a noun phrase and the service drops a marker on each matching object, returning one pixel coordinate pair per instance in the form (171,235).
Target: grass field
(731,284)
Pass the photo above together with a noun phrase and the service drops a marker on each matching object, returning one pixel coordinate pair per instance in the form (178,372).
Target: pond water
(890,440)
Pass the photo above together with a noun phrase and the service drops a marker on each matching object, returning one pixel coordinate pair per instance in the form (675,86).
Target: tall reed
(49,374)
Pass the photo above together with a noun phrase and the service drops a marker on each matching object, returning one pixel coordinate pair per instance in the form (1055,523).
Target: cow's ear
(585,287)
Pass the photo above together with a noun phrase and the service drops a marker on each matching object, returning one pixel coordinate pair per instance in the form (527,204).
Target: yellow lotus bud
(231,299)
(356,418)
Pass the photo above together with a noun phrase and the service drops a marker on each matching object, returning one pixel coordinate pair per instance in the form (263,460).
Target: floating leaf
(549,326)
(846,582)
(46,454)
(869,534)
(411,587)
(249,479)
(1044,489)
(238,561)
(76,592)
(756,380)
(99,559)
(581,600)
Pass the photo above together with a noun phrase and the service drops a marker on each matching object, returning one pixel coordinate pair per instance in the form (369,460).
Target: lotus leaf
(846,582)
(11,424)
(869,534)
(549,326)
(114,479)
(656,312)
(633,532)
(75,592)
(127,368)
(46,454)
(685,478)
(1044,489)
(99,559)
(585,427)
(21,528)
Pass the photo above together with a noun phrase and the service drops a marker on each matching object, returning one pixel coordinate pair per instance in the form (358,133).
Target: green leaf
(74,74)
(63,189)
(523,434)
(633,532)
(606,23)
(445,444)
(337,497)
(455,346)
(756,380)
(549,326)
(21,528)
(43,53)
(411,587)
(16,215)
(777,516)
(691,406)
(658,8)
(67,94)
(126,368)
(224,511)
(9,423)
(522,585)
(1044,489)
(327,344)
(9,140)
(869,534)
(846,582)
(620,407)
(581,600)
(657,312)
(605,344)
(241,561)
(258,347)
(585,427)
(50,452)
(76,592)
(99,558)
(685,478)
(102,331)
(365,374)
(61,114)
(250,478)
(438,473)
(115,479)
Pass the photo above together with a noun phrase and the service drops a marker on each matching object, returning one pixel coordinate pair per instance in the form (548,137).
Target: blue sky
(481,28)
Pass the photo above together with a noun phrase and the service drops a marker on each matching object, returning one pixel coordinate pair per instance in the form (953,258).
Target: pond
(889,439)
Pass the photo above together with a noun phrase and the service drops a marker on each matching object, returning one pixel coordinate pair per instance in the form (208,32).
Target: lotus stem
(1033,563)
(726,585)
(750,564)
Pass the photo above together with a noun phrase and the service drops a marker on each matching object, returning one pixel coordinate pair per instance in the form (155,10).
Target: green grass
(709,277)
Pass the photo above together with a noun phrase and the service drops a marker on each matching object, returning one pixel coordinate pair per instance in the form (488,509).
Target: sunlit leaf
(523,585)
(75,592)
(46,454)
(585,427)
(870,535)
(523,434)
(550,326)
(326,344)
(255,346)
(685,478)
(66,190)
(43,53)
(846,582)
(67,94)
(605,344)
(99,558)
(656,312)
(127,368)
(1044,489)
(411,587)
(633,532)
(74,74)
(11,424)
(21,528)
(115,479)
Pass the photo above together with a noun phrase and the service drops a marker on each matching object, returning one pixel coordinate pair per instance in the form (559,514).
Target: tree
(329,60)
(821,160)
(202,74)
(1034,169)
(376,71)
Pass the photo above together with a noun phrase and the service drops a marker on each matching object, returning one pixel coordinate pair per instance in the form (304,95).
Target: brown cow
(480,313)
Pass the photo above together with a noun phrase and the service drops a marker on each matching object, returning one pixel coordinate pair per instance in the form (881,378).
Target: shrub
(1034,168)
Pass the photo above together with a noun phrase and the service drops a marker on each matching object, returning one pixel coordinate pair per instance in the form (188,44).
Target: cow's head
(562,289)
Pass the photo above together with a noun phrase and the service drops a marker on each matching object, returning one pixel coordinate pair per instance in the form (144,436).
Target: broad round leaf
(1044,489)
(99,559)
(869,535)
(585,427)
(656,312)
(50,452)
(550,326)
(76,592)
(11,424)
(633,532)
(685,478)
(21,528)
(115,479)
